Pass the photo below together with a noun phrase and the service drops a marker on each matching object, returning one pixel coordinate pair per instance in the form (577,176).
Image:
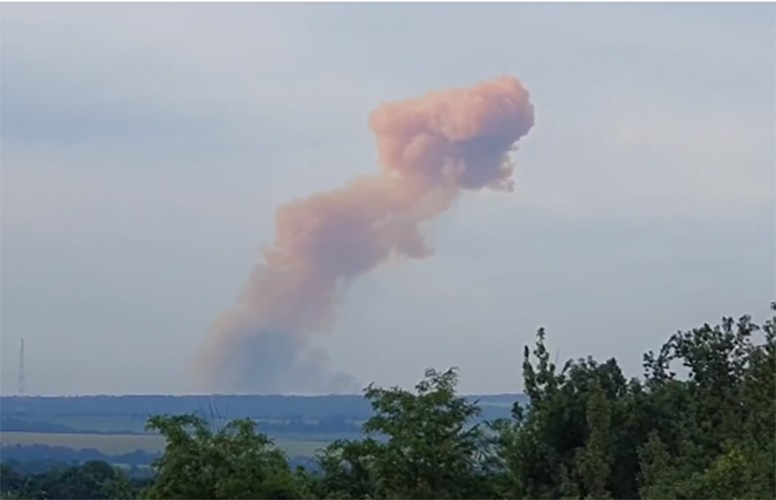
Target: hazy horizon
(146,148)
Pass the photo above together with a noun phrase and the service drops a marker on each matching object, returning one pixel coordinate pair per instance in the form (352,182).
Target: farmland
(69,427)
(113,444)
(116,444)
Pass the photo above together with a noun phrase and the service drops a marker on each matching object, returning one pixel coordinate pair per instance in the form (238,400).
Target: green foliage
(92,479)
(594,463)
(349,469)
(234,462)
(720,434)
(656,474)
(587,432)
(418,445)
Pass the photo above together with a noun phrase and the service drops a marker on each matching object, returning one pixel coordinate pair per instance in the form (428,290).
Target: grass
(100,424)
(117,444)
(111,444)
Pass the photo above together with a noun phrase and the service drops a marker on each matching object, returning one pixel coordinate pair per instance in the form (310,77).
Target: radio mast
(20,382)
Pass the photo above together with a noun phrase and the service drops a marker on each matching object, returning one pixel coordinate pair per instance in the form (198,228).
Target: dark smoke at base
(277,363)
(263,344)
(431,149)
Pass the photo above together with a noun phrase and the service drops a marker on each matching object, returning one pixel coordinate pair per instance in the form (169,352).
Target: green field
(117,444)
(89,423)
(126,424)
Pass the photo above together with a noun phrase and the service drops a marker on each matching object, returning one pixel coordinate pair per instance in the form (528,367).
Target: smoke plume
(430,148)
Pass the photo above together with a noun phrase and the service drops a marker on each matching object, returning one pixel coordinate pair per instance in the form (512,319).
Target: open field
(100,424)
(117,444)
(112,444)
(125,424)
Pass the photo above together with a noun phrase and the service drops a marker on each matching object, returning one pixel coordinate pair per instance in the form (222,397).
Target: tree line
(586,432)
(19,455)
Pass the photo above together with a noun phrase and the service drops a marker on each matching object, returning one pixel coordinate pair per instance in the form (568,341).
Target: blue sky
(145,149)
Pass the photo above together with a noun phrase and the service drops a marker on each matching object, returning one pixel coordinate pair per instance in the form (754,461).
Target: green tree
(349,469)
(564,443)
(589,432)
(419,445)
(722,416)
(11,482)
(595,461)
(92,479)
(234,462)
(656,469)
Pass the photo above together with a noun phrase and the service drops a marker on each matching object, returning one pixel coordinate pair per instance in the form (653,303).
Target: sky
(146,147)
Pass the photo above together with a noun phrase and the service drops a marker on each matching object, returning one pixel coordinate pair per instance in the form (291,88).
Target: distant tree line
(139,407)
(92,479)
(290,425)
(587,432)
(61,454)
(11,424)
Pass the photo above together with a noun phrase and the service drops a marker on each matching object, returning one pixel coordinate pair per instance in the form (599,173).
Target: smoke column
(431,148)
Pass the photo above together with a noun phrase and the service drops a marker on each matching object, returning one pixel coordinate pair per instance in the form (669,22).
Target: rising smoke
(430,149)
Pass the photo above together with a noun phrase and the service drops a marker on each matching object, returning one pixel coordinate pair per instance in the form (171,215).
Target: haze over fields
(146,149)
